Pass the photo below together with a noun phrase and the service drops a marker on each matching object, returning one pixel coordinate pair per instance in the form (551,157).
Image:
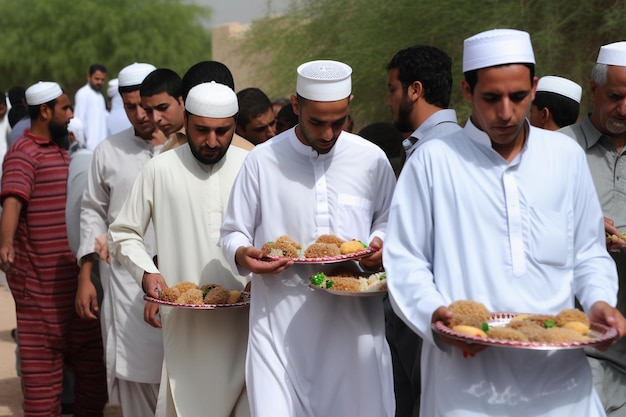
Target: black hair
(33,111)
(252,103)
(564,110)
(204,72)
(161,80)
(97,67)
(471,77)
(428,65)
(17,95)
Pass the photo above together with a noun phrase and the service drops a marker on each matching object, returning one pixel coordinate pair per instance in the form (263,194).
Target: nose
(270,132)
(621,107)
(505,110)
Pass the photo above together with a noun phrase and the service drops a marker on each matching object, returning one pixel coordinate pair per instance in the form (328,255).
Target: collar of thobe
(591,134)
(482,139)
(435,119)
(208,168)
(309,152)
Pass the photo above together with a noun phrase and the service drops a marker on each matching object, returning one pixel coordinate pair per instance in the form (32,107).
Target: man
(203,371)
(207,71)
(602,135)
(504,214)
(256,121)
(420,82)
(41,270)
(133,348)
(556,104)
(316,179)
(161,98)
(90,106)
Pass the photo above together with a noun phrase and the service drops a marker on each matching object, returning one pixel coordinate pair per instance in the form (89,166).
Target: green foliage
(59,39)
(365,34)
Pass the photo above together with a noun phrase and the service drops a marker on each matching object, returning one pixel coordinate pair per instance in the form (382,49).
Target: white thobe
(90,108)
(311,353)
(524,236)
(203,370)
(133,348)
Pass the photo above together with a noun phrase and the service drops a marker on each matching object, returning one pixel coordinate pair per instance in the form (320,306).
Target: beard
(403,122)
(204,159)
(59,135)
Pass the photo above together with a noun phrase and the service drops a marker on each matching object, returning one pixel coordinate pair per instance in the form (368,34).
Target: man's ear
(45,112)
(295,105)
(415,90)
(545,117)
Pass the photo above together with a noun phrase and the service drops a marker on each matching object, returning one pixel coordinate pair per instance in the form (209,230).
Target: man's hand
(255,260)
(601,312)
(7,257)
(101,248)
(86,303)
(444,314)
(614,239)
(153,284)
(374,262)
(150,312)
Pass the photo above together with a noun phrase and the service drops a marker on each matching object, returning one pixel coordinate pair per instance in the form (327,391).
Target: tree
(57,40)
(365,34)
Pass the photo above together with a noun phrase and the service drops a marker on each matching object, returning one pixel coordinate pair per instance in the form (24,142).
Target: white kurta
(90,108)
(311,353)
(204,349)
(525,236)
(133,348)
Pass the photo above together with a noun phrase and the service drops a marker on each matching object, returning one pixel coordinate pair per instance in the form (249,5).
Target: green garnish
(485,327)
(206,291)
(329,284)
(364,245)
(318,279)
(382,276)
(549,323)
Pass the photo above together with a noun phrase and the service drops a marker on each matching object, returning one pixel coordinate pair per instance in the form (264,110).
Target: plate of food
(351,284)
(326,249)
(206,297)
(569,329)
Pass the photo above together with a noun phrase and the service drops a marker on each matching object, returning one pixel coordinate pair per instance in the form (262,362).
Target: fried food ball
(185,285)
(563,335)
(465,319)
(281,248)
(543,320)
(506,333)
(471,308)
(345,284)
(170,294)
(351,246)
(578,327)
(533,331)
(344,272)
(286,239)
(519,317)
(191,296)
(470,330)
(571,314)
(321,250)
(335,240)
(216,295)
(234,297)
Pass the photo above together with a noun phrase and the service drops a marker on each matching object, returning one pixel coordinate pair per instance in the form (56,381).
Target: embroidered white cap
(42,92)
(497,47)
(613,54)
(324,80)
(134,74)
(212,100)
(76,127)
(112,87)
(560,85)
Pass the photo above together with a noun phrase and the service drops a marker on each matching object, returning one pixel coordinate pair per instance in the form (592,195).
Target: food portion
(344,280)
(325,246)
(615,238)
(189,293)
(474,319)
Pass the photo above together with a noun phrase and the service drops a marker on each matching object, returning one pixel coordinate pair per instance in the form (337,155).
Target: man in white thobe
(133,348)
(311,353)
(504,214)
(90,107)
(184,193)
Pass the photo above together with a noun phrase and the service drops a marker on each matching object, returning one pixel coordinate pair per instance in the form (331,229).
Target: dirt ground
(10,391)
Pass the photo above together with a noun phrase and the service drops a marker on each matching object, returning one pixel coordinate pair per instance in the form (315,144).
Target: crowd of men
(197,177)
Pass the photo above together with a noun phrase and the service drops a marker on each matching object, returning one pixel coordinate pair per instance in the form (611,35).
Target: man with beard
(184,192)
(90,106)
(133,362)
(420,82)
(309,181)
(41,270)
(602,134)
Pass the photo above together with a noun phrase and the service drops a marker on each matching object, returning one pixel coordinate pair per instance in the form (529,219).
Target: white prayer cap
(112,87)
(76,127)
(134,74)
(324,80)
(42,92)
(613,54)
(497,47)
(212,100)
(560,85)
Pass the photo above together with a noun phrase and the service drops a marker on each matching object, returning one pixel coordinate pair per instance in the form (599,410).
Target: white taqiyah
(497,47)
(134,74)
(560,85)
(112,87)
(613,54)
(42,92)
(324,80)
(212,100)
